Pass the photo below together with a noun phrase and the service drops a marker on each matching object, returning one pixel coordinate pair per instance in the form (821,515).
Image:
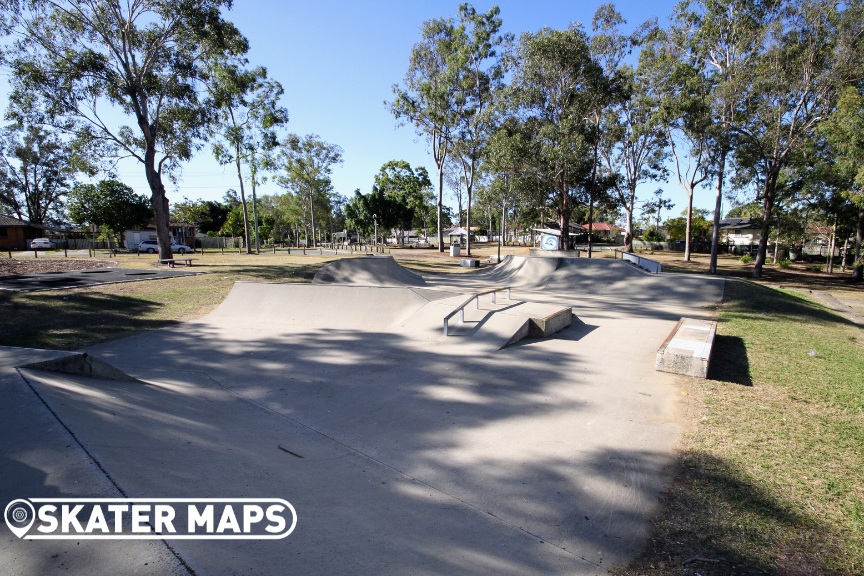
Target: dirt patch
(10,266)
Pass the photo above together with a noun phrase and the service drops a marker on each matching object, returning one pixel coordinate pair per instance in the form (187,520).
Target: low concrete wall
(644,263)
(687,349)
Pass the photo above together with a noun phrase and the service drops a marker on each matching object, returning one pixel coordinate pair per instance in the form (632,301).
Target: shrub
(784,263)
(746,259)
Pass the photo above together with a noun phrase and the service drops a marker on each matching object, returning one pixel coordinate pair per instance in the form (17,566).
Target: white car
(42,244)
(152,246)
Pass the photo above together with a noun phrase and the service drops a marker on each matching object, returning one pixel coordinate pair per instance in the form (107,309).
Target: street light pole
(375,222)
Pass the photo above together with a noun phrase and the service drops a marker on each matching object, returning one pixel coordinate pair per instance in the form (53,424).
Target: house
(16,234)
(740,235)
(608,232)
(181,232)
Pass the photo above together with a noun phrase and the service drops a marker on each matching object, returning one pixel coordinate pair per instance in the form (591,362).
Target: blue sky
(337,61)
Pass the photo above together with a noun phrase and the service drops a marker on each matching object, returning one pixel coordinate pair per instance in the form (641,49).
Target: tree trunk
(770,192)
(161,213)
(312,212)
(718,206)
(858,273)
(628,231)
(468,224)
(564,218)
(246,236)
(591,202)
(832,244)
(440,207)
(688,231)
(255,218)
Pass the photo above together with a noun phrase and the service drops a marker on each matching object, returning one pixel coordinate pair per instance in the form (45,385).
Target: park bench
(687,349)
(172,262)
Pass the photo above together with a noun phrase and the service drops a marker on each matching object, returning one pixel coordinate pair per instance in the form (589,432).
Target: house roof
(6,220)
(739,224)
(603,226)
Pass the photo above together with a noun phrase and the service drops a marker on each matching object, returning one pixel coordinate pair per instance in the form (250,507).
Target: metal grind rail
(476,299)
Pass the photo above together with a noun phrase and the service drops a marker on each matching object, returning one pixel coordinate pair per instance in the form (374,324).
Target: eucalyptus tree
(809,51)
(844,132)
(405,188)
(556,84)
(93,61)
(306,164)
(633,145)
(426,98)
(37,170)
(609,47)
(719,39)
(478,71)
(684,116)
(248,117)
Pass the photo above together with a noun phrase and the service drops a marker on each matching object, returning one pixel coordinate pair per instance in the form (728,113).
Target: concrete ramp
(620,279)
(81,365)
(325,306)
(523,272)
(367,271)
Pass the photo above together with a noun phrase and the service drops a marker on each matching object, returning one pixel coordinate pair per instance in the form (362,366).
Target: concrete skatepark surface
(401,450)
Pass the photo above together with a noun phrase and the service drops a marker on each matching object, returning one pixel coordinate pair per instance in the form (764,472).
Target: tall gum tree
(684,116)
(426,98)
(555,87)
(718,38)
(809,51)
(478,73)
(91,61)
(634,146)
(306,164)
(248,117)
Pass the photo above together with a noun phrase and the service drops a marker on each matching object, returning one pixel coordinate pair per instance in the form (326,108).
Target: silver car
(42,244)
(152,246)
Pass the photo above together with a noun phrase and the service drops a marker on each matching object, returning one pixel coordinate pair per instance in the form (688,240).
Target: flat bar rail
(473,298)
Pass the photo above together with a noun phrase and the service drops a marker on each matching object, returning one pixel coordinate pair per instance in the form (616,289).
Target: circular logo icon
(19,515)
(549,242)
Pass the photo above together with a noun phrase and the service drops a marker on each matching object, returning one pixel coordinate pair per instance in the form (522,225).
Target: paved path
(419,454)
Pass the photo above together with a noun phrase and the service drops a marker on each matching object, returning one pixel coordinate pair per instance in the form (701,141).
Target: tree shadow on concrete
(413,459)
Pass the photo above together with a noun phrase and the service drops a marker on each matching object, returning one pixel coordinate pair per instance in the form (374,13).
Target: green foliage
(700,227)
(652,234)
(109,204)
(306,164)
(131,74)
(207,215)
(36,172)
(746,259)
(784,263)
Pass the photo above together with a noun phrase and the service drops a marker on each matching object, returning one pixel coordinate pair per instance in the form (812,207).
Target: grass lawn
(769,475)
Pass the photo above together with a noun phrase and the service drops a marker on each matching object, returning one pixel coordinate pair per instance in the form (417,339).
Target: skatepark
(486,451)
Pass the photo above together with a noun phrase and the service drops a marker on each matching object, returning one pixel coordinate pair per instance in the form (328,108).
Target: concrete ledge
(687,349)
(469,263)
(543,327)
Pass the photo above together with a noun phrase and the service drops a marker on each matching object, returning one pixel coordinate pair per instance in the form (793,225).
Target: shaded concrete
(39,458)
(402,451)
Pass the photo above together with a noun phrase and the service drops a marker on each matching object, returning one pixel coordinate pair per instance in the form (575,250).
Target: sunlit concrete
(407,452)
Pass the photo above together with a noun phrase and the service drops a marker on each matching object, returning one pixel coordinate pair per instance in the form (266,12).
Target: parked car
(42,244)
(152,246)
